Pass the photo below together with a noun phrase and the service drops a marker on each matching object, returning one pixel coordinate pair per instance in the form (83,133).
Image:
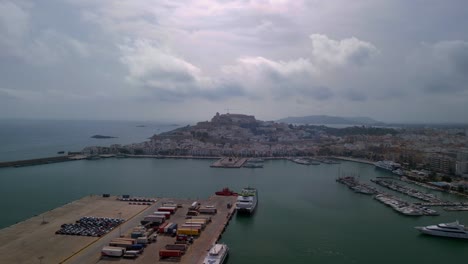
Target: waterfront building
(442,163)
(461,168)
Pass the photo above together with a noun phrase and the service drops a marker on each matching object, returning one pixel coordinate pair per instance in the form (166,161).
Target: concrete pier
(229,162)
(32,162)
(35,239)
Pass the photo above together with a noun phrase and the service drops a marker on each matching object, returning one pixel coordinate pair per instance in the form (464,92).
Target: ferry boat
(247,200)
(387,165)
(454,229)
(217,254)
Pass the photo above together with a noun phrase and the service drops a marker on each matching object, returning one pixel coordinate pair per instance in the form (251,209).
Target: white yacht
(387,165)
(454,229)
(217,254)
(247,200)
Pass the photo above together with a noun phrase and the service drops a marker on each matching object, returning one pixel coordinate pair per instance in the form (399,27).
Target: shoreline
(56,159)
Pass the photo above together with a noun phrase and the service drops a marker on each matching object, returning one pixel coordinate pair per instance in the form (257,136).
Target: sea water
(29,139)
(303,216)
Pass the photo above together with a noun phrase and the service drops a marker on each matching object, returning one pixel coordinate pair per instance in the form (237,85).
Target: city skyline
(394,61)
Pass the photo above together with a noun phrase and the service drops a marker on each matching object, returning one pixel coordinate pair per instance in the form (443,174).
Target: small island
(102,137)
(141,126)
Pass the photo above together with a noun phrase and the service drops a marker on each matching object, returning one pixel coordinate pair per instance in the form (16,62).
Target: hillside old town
(435,152)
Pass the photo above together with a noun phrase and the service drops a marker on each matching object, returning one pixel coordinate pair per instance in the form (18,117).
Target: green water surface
(303,215)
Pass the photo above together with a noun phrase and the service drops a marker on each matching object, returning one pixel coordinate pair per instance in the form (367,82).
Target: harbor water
(303,215)
(31,139)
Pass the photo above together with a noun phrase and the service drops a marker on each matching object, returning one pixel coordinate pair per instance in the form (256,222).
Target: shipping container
(166,228)
(181,247)
(169,204)
(122,244)
(124,239)
(199,221)
(136,234)
(131,254)
(154,218)
(166,214)
(205,217)
(113,251)
(162,227)
(166,253)
(192,226)
(181,238)
(192,213)
(138,247)
(171,209)
(207,211)
(188,231)
(171,229)
(142,240)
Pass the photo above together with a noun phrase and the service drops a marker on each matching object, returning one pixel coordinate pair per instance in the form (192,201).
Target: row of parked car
(90,226)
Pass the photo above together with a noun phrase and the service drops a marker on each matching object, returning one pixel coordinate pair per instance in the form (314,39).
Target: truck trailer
(112,251)
(166,253)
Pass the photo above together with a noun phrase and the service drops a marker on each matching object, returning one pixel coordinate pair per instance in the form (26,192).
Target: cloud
(441,67)
(14,25)
(156,68)
(18,39)
(350,51)
(269,69)
(168,76)
(263,77)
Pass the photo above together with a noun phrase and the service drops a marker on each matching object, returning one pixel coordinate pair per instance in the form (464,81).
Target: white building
(461,166)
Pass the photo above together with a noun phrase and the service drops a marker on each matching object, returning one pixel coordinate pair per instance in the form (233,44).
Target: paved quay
(197,251)
(229,162)
(33,241)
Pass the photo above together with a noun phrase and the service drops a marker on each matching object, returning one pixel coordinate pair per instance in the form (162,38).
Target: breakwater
(31,162)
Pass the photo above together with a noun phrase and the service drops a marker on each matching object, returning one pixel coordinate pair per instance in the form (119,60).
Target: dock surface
(33,241)
(229,162)
(27,241)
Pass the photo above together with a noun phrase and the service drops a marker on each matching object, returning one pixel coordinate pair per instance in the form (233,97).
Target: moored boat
(387,165)
(226,192)
(455,230)
(217,254)
(247,200)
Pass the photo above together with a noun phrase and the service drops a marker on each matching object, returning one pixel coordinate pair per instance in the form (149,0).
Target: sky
(394,60)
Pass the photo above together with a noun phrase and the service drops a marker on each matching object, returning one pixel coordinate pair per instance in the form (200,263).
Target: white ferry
(454,229)
(217,254)
(387,165)
(247,200)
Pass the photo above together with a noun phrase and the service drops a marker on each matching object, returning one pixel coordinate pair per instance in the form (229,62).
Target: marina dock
(394,202)
(426,197)
(229,162)
(34,240)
